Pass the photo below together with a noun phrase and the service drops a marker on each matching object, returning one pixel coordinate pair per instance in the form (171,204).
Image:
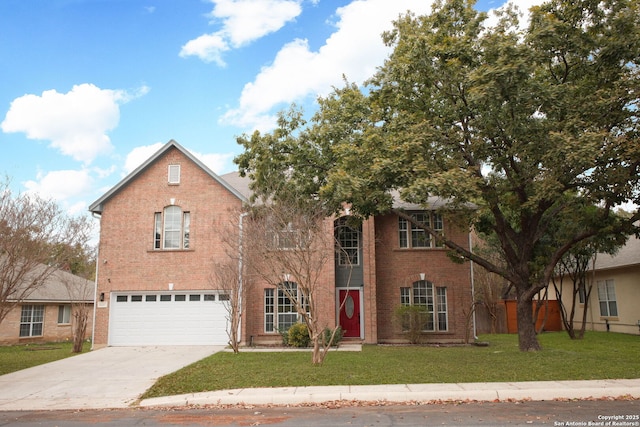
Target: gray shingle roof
(62,286)
(628,255)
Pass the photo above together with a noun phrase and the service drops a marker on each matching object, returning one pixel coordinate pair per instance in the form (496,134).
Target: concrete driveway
(112,377)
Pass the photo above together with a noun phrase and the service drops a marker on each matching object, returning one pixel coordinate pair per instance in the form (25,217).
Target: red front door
(350,312)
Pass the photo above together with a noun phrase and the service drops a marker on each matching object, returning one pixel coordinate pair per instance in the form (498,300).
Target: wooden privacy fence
(507,320)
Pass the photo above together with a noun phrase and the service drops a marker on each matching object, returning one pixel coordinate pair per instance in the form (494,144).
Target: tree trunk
(81,319)
(527,339)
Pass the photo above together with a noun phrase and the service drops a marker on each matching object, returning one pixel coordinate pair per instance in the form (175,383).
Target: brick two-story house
(160,234)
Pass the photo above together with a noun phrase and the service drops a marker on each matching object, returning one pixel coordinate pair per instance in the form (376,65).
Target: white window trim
(407,229)
(275,294)
(31,321)
(66,314)
(607,295)
(160,228)
(173,174)
(435,310)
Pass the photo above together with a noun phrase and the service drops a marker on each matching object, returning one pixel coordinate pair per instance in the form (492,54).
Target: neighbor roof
(62,286)
(628,255)
(97,206)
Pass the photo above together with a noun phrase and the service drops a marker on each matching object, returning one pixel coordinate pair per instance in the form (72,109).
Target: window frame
(32,317)
(433,298)
(280,310)
(173,174)
(413,237)
(165,223)
(348,239)
(64,314)
(607,298)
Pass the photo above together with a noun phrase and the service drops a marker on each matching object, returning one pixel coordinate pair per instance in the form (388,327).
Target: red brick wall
(127,259)
(396,268)
(128,262)
(324,296)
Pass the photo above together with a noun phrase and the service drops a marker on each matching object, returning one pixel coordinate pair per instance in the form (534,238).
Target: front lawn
(16,357)
(600,355)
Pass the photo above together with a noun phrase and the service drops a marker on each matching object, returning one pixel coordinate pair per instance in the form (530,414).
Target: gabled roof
(97,206)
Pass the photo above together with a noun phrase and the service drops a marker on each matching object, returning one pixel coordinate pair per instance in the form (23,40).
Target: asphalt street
(565,413)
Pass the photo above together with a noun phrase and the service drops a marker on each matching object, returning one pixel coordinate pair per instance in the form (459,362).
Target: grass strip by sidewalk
(17,357)
(599,356)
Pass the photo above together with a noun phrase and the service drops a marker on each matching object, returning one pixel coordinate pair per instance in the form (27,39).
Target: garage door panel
(139,320)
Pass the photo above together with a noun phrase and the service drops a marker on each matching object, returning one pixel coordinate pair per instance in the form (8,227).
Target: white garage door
(179,318)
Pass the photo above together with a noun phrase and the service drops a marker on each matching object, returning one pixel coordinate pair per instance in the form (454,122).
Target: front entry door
(350,312)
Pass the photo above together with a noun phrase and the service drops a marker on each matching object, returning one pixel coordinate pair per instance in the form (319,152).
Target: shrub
(298,335)
(412,319)
(326,336)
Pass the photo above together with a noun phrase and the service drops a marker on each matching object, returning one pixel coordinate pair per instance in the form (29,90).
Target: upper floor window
(412,236)
(287,236)
(174,174)
(172,227)
(348,239)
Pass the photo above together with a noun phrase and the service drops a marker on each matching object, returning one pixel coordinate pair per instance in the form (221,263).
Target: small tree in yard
(229,275)
(289,247)
(81,294)
(574,266)
(36,239)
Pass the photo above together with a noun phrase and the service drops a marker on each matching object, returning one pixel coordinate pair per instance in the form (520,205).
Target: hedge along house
(161,233)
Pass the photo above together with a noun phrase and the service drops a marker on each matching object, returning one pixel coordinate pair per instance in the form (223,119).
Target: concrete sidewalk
(533,390)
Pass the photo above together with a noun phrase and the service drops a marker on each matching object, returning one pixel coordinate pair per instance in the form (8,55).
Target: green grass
(599,356)
(17,357)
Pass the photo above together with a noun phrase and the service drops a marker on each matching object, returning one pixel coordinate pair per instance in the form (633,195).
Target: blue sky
(91,88)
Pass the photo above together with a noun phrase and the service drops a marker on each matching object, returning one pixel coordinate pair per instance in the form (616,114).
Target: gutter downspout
(95,286)
(240,269)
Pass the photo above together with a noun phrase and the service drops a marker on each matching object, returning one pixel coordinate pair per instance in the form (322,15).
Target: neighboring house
(614,303)
(160,234)
(46,315)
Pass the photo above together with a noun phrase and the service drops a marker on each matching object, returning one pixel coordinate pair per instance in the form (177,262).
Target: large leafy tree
(532,134)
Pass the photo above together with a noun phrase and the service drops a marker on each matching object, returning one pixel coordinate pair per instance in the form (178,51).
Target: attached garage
(168,318)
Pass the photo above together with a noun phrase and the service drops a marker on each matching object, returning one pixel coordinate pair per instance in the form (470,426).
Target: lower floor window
(31,320)
(607,298)
(64,314)
(280,311)
(434,301)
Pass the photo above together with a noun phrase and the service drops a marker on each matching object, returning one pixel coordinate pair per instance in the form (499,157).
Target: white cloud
(219,163)
(139,155)
(355,49)
(61,185)
(243,21)
(208,47)
(76,122)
